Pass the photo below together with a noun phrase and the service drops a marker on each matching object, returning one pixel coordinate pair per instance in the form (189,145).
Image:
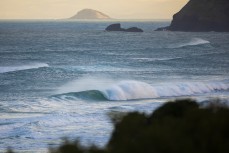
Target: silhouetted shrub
(174,109)
(69,147)
(9,150)
(75,147)
(175,127)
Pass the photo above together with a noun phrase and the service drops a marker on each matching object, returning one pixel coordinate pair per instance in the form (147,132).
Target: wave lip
(134,90)
(5,69)
(193,42)
(94,95)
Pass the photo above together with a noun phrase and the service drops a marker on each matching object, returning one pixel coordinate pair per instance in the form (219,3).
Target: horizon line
(68,19)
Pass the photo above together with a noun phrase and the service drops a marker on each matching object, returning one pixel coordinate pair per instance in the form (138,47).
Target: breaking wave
(193,42)
(134,90)
(95,95)
(5,69)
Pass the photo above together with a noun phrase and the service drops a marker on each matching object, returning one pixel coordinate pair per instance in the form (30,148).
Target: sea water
(62,78)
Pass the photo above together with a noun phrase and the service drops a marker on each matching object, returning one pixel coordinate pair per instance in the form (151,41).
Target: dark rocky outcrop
(134,29)
(201,15)
(117,27)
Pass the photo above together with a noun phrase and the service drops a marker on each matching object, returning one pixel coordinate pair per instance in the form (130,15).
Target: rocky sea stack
(201,16)
(117,27)
(90,14)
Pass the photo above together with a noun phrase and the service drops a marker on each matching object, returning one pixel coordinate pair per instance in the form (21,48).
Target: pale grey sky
(120,9)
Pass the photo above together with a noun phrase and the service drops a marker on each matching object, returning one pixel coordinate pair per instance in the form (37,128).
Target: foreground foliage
(182,126)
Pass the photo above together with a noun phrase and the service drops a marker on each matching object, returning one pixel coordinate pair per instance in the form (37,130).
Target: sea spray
(129,90)
(85,84)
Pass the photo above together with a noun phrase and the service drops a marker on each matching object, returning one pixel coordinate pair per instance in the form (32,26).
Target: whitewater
(63,79)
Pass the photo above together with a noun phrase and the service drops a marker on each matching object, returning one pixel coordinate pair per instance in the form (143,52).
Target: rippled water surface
(61,79)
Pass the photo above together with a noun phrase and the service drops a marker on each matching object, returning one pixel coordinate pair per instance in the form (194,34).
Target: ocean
(62,79)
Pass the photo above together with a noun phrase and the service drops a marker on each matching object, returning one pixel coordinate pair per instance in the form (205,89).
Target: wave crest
(134,90)
(5,69)
(193,42)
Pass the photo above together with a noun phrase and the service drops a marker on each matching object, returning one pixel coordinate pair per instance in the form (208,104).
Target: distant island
(201,16)
(90,14)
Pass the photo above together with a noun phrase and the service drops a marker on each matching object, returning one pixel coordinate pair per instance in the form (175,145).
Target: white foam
(130,90)
(192,42)
(127,90)
(5,69)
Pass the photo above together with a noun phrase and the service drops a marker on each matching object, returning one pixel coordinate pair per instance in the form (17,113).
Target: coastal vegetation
(175,127)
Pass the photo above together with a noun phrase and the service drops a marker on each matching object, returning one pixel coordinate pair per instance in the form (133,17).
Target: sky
(60,9)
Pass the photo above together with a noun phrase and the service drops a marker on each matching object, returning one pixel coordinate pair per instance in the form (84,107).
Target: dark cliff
(202,15)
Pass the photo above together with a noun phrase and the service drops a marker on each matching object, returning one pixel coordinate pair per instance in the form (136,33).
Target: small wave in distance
(5,69)
(192,42)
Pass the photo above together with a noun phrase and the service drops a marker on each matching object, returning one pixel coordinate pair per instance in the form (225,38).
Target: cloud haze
(56,9)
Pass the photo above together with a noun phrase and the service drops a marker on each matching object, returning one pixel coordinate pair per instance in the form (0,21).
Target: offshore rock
(117,27)
(134,29)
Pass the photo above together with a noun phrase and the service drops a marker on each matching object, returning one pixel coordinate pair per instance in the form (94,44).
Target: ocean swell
(134,90)
(5,69)
(192,42)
